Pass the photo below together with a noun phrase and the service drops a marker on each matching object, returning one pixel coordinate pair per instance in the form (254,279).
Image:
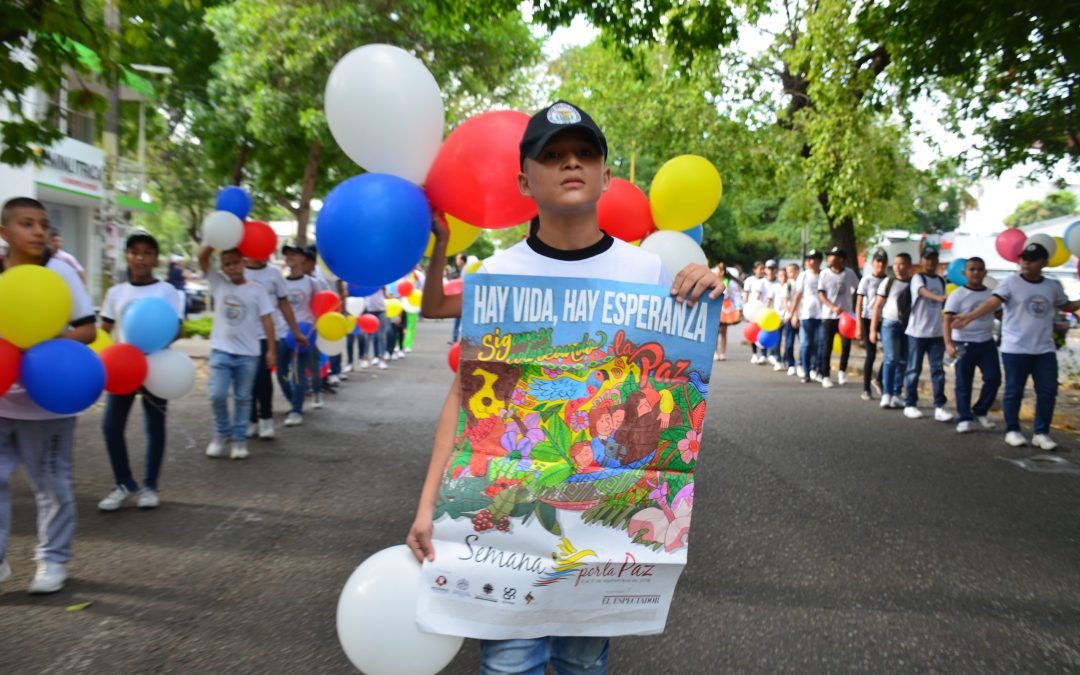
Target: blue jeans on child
(787,337)
(292,372)
(376,339)
(117,409)
(810,339)
(1043,369)
(567,655)
(894,344)
(934,349)
(984,356)
(239,371)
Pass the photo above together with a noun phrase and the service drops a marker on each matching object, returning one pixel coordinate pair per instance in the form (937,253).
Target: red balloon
(259,241)
(368,323)
(453,357)
(325,301)
(475,174)
(125,368)
(405,288)
(454,287)
(750,332)
(9,365)
(624,211)
(847,325)
(1010,244)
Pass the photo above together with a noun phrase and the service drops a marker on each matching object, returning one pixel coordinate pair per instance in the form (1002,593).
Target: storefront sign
(73,166)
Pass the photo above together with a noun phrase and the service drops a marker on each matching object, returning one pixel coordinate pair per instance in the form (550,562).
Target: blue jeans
(239,371)
(457,329)
(117,409)
(934,347)
(894,344)
(810,339)
(567,655)
(787,335)
(984,356)
(292,373)
(1043,370)
(375,339)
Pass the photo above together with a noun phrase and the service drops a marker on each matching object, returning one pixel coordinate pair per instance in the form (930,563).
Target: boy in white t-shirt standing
(865,300)
(887,324)
(973,347)
(925,334)
(806,317)
(836,291)
(294,363)
(239,307)
(778,301)
(1027,344)
(756,289)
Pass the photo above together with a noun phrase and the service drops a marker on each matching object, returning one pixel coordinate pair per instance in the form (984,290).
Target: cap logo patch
(563,113)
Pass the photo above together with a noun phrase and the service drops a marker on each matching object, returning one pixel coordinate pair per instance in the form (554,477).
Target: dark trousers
(832,329)
(787,333)
(984,356)
(871,356)
(117,409)
(1043,370)
(262,392)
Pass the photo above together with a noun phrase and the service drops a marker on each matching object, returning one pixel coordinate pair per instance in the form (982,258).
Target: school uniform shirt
(238,310)
(758,288)
(119,298)
(777,297)
(925,320)
(16,404)
(868,286)
(376,302)
(271,279)
(611,259)
(809,304)
(963,300)
(838,288)
(299,292)
(890,310)
(1029,306)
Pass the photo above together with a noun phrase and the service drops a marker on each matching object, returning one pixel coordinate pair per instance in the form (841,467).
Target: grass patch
(201,326)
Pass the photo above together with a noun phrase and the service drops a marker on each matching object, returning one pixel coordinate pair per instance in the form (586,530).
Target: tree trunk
(307,191)
(238,166)
(841,233)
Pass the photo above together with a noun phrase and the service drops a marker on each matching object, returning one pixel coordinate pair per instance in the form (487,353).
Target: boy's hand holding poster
(565,509)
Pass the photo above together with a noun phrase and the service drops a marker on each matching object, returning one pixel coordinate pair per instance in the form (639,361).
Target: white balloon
(751,309)
(222,230)
(676,249)
(385,110)
(376,619)
(170,374)
(330,347)
(990,282)
(355,306)
(1045,240)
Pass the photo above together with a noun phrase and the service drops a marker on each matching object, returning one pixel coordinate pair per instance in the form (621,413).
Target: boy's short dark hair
(977,259)
(142,238)
(19,203)
(231,251)
(905,256)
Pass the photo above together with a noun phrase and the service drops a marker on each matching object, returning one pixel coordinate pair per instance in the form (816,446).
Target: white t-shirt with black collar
(964,300)
(609,258)
(925,320)
(119,297)
(1027,326)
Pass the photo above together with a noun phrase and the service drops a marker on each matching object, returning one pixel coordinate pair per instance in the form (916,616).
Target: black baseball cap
(553,120)
(836,250)
(291,248)
(311,253)
(880,255)
(929,252)
(813,253)
(141,238)
(1035,251)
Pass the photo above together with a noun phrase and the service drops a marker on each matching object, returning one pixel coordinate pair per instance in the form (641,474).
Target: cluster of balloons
(225,228)
(762,324)
(1011,243)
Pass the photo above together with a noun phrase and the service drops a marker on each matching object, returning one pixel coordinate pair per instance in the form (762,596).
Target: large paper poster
(565,508)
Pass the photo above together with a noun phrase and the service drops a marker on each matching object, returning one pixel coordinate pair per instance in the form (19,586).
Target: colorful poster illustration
(565,508)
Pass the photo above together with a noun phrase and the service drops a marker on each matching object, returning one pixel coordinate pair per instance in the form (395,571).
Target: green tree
(1056,204)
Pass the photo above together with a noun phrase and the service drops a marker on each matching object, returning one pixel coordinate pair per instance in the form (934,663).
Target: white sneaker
(827,383)
(912,413)
(886,401)
(347,368)
(865,396)
(875,388)
(1043,442)
(253,429)
(364,363)
(985,422)
(963,427)
(943,415)
(1015,439)
(398,354)
(239,450)
(895,403)
(148,499)
(800,372)
(408,350)
(792,371)
(815,376)
(386,356)
(343,376)
(841,378)
(5,571)
(334,380)
(266,428)
(294,419)
(382,364)
(778,367)
(753,359)
(216,447)
(115,499)
(50,577)
(761,360)
(316,400)
(772,359)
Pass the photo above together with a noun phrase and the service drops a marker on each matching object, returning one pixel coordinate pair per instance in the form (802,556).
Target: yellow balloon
(35,305)
(393,307)
(768,319)
(635,243)
(837,345)
(1060,255)
(949,288)
(332,326)
(685,192)
(101,341)
(462,235)
(474,266)
(416,297)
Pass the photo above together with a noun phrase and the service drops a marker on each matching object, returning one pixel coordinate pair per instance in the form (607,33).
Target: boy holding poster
(562,155)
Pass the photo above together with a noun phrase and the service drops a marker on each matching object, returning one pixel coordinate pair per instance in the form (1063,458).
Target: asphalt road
(829,536)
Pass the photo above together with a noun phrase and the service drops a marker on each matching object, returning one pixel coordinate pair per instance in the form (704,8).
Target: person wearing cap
(294,363)
(836,290)
(562,157)
(806,317)
(1028,300)
(262,394)
(755,291)
(865,297)
(925,337)
(973,347)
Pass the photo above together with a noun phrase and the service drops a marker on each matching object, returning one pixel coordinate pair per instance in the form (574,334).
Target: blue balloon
(695,233)
(361,291)
(955,271)
(150,324)
(308,330)
(63,376)
(767,339)
(235,200)
(323,360)
(373,228)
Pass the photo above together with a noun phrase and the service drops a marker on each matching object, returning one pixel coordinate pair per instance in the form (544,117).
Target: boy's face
(295,261)
(57,242)
(781,276)
(813,264)
(770,273)
(141,259)
(974,272)
(26,230)
(901,268)
(878,266)
(568,177)
(759,270)
(792,271)
(232,266)
(1032,268)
